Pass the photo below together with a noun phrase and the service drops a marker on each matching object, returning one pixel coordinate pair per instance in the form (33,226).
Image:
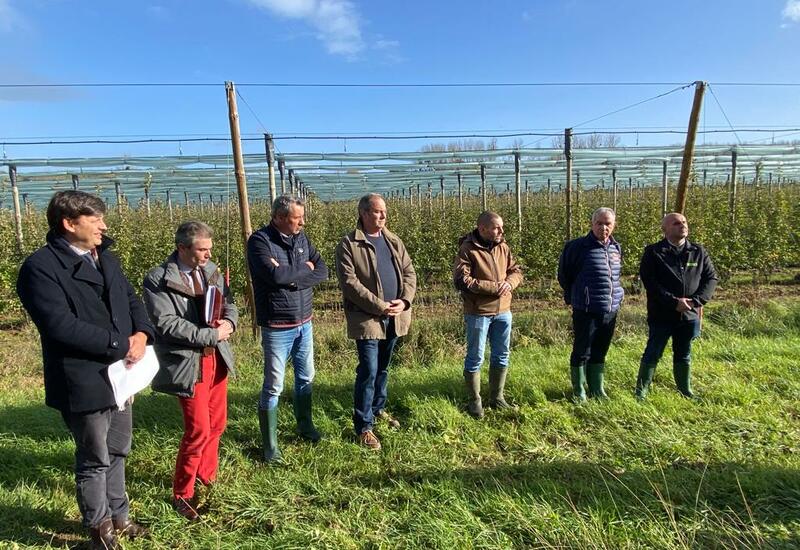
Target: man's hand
(224,329)
(395,308)
(504,289)
(684,304)
(136,345)
(274,262)
(311,266)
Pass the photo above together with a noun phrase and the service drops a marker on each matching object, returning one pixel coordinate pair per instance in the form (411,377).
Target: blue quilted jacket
(589,273)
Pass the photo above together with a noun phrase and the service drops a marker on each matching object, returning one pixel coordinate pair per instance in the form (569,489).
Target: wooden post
(460,192)
(527,193)
(630,189)
(732,191)
(186,200)
(75,181)
(769,183)
(270,149)
(441,189)
(147,200)
(27,205)
(12,175)
(578,190)
(411,194)
(291,182)
(419,196)
(483,187)
(568,179)
(430,198)
(518,190)
(241,186)
(705,176)
(119,197)
(169,205)
(549,192)
(281,170)
(200,201)
(688,149)
(664,188)
(614,186)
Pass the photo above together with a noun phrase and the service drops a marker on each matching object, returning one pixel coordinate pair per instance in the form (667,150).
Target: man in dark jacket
(589,273)
(194,354)
(88,317)
(285,267)
(680,279)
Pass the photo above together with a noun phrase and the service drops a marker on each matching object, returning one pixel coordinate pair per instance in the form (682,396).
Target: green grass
(723,472)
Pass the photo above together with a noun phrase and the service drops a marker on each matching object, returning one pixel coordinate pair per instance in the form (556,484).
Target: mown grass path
(723,472)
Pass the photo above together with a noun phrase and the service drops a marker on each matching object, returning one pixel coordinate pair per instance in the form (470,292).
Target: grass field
(723,472)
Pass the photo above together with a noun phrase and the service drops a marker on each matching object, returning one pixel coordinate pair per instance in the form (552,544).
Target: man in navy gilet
(589,272)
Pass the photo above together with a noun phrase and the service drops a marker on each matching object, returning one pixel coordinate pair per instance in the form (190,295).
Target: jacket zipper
(610,281)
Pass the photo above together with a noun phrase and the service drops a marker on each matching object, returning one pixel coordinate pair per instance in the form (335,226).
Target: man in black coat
(680,279)
(88,317)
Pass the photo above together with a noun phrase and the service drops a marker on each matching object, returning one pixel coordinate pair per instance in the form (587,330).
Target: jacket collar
(174,280)
(589,240)
(278,237)
(360,235)
(665,245)
(81,270)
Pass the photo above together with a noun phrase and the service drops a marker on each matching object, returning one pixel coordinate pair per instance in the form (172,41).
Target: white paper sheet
(127,382)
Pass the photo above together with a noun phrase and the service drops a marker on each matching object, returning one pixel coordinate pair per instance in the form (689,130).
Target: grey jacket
(181,334)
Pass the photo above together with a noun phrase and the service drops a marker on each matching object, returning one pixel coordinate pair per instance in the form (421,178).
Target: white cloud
(383,44)
(791,10)
(336,22)
(10,18)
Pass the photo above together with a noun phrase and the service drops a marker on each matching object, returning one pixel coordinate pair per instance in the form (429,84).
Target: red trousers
(204,419)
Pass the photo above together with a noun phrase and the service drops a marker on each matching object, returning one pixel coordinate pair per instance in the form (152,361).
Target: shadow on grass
(37,526)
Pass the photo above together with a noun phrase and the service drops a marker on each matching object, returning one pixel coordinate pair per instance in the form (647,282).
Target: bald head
(675,227)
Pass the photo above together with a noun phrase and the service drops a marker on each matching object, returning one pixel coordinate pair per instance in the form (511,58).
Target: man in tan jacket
(486,274)
(378,284)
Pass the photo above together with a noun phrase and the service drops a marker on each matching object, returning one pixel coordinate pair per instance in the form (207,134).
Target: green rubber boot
(594,379)
(302,413)
(682,372)
(268,422)
(472,381)
(497,384)
(644,379)
(578,377)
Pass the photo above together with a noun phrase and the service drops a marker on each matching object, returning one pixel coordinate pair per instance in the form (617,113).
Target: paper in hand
(127,382)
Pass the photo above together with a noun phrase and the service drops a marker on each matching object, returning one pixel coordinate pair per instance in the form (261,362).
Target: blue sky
(337,41)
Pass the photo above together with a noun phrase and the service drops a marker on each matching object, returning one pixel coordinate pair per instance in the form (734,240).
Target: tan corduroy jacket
(478,273)
(357,271)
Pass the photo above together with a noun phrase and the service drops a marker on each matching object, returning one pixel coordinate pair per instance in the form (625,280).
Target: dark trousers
(372,378)
(204,418)
(682,334)
(102,441)
(593,333)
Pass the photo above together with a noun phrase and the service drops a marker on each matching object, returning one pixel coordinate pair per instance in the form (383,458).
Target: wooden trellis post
(186,201)
(732,192)
(200,201)
(483,187)
(281,170)
(119,197)
(270,147)
(12,175)
(664,188)
(75,181)
(688,150)
(292,182)
(441,190)
(549,192)
(568,179)
(241,185)
(460,192)
(614,187)
(518,190)
(169,205)
(147,200)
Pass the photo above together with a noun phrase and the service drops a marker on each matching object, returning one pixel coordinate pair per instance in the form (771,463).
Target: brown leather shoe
(186,508)
(103,536)
(369,440)
(130,529)
(391,421)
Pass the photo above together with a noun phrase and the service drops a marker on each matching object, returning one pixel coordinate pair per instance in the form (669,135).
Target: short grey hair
(486,217)
(603,210)
(284,203)
(192,230)
(365,202)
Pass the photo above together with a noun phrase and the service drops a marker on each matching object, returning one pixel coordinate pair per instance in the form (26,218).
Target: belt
(208,350)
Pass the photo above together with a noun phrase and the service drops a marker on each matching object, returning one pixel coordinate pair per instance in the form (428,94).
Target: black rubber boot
(644,379)
(302,413)
(268,422)
(497,384)
(594,379)
(682,373)
(473,384)
(578,377)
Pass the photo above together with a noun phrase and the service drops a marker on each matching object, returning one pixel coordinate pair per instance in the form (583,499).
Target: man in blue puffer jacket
(285,267)
(589,272)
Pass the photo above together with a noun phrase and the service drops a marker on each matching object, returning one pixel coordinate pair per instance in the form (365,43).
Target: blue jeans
(682,334)
(372,378)
(278,345)
(593,333)
(498,329)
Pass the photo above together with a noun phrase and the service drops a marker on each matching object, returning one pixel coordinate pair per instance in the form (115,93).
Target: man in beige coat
(486,274)
(378,284)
